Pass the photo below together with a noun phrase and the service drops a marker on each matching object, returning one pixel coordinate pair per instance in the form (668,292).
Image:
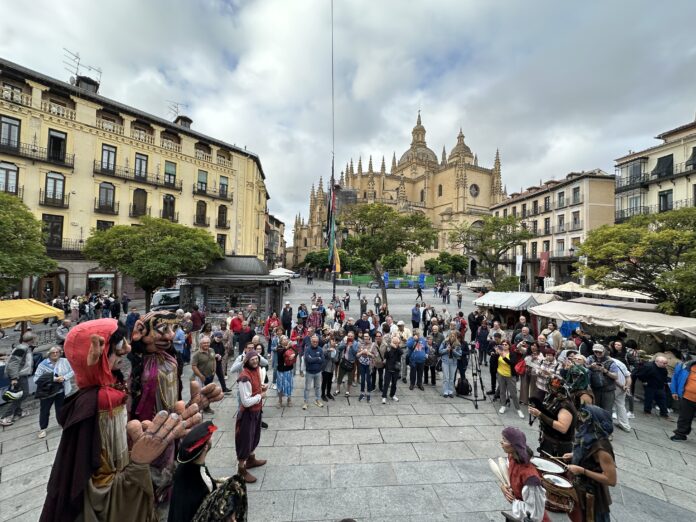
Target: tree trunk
(148,298)
(377,269)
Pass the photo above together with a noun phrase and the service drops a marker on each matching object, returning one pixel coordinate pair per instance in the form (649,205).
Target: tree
(395,261)
(378,230)
(152,252)
(446,263)
(653,254)
(489,240)
(23,249)
(507,283)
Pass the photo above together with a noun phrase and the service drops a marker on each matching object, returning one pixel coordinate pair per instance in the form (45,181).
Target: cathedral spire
(383,168)
(352,172)
(476,159)
(496,163)
(444,157)
(369,165)
(311,194)
(418,121)
(360,172)
(393,166)
(321,185)
(341,180)
(418,132)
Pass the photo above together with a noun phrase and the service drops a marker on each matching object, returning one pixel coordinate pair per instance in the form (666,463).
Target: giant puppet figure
(155,385)
(102,466)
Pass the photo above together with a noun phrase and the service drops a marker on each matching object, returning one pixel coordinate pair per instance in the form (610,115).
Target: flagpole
(332,196)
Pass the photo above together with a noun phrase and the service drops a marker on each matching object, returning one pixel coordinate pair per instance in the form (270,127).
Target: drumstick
(565,466)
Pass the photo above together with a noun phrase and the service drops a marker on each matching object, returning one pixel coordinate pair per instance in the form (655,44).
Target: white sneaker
(501,410)
(520,414)
(42,434)
(384,401)
(304,406)
(613,415)
(395,398)
(274,387)
(631,415)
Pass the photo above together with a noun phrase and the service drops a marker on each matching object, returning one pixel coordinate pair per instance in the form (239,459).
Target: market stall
(505,306)
(15,311)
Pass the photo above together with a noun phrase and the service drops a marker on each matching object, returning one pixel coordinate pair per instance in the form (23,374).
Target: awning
(14,311)
(513,300)
(692,159)
(651,322)
(664,167)
(596,290)
(629,305)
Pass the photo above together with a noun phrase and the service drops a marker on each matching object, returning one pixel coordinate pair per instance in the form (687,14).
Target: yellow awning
(15,310)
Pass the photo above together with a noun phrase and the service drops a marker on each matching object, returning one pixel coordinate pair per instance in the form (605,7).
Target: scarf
(595,424)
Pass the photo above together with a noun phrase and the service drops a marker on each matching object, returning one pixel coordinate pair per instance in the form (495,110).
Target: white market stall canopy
(513,300)
(629,305)
(596,290)
(650,322)
(283,272)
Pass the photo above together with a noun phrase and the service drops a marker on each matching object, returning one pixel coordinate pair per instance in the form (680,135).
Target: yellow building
(659,178)
(560,213)
(450,191)
(80,162)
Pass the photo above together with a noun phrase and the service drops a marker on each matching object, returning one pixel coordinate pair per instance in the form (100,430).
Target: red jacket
(236,325)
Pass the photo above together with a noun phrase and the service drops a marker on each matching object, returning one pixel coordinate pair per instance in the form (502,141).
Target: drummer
(525,492)
(593,464)
(557,420)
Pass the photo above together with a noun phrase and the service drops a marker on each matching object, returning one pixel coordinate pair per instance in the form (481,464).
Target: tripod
(476,377)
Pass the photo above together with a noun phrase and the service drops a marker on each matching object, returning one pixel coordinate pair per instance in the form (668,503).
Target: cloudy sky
(557,86)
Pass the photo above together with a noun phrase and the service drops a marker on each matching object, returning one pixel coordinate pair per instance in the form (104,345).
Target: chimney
(183,121)
(87,84)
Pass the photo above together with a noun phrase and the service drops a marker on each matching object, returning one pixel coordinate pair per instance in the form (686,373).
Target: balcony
(561,203)
(27,150)
(221,223)
(58,110)
(170,145)
(170,216)
(562,253)
(201,221)
(136,211)
(106,207)
(672,205)
(116,171)
(224,162)
(560,229)
(576,200)
(144,136)
(14,190)
(632,182)
(221,192)
(109,126)
(15,96)
(575,225)
(202,155)
(623,214)
(62,244)
(52,199)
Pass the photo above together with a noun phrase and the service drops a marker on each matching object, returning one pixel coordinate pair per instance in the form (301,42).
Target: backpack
(289,357)
(463,387)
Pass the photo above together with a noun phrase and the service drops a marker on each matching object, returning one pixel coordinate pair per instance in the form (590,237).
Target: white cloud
(556,86)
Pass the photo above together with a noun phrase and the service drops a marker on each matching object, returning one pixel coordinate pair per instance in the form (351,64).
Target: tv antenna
(72,64)
(175,107)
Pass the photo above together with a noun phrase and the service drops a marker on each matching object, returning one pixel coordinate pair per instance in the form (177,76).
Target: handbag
(521,367)
(345,363)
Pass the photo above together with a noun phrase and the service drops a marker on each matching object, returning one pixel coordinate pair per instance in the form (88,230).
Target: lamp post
(571,251)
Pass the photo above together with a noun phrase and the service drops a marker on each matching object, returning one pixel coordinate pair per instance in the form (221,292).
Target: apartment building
(82,162)
(659,178)
(559,213)
(275,246)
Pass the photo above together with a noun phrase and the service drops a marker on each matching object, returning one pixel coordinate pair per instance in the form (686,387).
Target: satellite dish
(72,80)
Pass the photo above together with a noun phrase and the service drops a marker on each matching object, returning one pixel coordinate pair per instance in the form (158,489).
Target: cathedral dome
(419,149)
(460,149)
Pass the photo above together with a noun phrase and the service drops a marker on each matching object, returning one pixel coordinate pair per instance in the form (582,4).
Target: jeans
(390,380)
(312,380)
(432,370)
(377,375)
(687,409)
(404,364)
(621,412)
(657,396)
(342,372)
(220,375)
(449,369)
(326,378)
(417,374)
(45,408)
(508,389)
(10,409)
(365,375)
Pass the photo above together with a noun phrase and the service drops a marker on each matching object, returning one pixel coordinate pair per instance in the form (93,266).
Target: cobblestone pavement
(423,457)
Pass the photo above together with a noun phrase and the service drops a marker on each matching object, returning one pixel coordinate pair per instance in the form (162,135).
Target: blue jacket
(416,314)
(444,352)
(416,357)
(680,376)
(314,359)
(352,352)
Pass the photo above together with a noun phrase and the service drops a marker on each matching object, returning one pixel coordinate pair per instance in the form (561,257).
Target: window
(437,243)
(53,229)
(222,216)
(547,245)
(634,202)
(524,210)
(202,185)
(141,166)
(201,211)
(422,195)
(108,158)
(561,223)
(439,191)
(576,219)
(535,207)
(222,240)
(106,195)
(514,211)
(534,249)
(547,203)
(665,200)
(560,247)
(104,225)
(535,226)
(576,195)
(497,213)
(635,170)
(8,178)
(55,186)
(504,212)
(9,132)
(561,199)
(168,206)
(56,145)
(223,186)
(523,249)
(169,173)
(139,203)
(547,225)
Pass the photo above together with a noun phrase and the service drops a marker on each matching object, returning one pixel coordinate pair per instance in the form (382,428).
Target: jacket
(446,357)
(286,317)
(417,356)
(680,376)
(314,359)
(21,362)
(330,357)
(393,357)
(652,375)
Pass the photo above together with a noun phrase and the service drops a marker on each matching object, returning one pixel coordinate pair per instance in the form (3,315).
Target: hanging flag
(331,221)
(336,260)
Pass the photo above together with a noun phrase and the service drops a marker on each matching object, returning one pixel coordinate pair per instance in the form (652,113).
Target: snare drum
(560,493)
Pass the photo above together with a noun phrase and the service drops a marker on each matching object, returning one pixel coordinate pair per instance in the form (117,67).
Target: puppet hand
(149,444)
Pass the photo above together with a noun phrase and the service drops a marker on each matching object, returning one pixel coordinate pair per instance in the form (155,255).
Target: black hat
(193,444)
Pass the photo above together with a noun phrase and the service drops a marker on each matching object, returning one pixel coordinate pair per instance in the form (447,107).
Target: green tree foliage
(507,283)
(395,261)
(488,240)
(653,254)
(152,252)
(378,230)
(23,251)
(446,263)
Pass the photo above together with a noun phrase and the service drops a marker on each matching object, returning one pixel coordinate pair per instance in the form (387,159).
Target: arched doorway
(50,286)
(473,268)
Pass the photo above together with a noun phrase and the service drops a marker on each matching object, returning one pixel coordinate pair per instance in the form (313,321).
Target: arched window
(222,216)
(422,195)
(139,207)
(305,241)
(8,178)
(168,206)
(201,209)
(439,191)
(106,195)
